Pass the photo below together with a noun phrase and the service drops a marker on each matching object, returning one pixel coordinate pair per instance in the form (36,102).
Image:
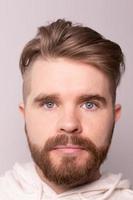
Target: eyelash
(95,105)
(46,103)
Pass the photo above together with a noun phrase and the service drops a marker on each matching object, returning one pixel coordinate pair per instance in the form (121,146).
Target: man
(70,76)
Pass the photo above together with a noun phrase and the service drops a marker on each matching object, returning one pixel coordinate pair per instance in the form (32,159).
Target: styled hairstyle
(67,40)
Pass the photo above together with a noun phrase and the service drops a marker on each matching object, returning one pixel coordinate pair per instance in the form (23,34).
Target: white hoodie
(23,183)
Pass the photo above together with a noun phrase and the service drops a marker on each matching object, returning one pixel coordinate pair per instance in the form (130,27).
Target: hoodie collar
(30,182)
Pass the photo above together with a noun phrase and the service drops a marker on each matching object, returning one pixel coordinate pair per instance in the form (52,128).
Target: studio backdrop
(18,24)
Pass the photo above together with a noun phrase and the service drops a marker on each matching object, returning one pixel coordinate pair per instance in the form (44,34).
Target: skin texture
(73,99)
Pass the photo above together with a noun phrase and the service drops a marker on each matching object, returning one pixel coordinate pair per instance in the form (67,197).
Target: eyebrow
(56,97)
(90,97)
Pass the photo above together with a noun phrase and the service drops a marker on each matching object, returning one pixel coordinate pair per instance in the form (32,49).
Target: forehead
(67,77)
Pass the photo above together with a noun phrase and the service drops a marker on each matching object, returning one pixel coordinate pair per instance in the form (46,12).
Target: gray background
(18,23)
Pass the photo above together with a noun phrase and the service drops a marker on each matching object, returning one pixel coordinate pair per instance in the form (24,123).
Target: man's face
(69,119)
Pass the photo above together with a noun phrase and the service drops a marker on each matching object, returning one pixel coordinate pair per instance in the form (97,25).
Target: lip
(69,149)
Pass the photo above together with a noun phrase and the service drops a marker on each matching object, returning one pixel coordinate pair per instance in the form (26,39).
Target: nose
(70,123)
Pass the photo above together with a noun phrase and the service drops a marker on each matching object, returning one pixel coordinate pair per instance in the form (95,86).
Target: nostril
(69,124)
(69,130)
(75,130)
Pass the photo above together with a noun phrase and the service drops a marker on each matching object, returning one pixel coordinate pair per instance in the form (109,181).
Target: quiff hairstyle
(63,39)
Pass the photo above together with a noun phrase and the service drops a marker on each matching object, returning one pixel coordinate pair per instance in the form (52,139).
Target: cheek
(39,127)
(98,127)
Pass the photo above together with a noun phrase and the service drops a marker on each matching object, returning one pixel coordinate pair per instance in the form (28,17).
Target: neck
(63,188)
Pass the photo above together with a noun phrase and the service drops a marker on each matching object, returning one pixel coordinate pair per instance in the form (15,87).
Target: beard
(68,173)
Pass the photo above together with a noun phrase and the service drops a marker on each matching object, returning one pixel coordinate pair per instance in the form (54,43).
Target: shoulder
(14,182)
(120,189)
(122,194)
(5,185)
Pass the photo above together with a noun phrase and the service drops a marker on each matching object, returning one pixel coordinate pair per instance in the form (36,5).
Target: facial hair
(68,173)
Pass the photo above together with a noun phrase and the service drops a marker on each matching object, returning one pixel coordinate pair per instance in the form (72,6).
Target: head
(70,76)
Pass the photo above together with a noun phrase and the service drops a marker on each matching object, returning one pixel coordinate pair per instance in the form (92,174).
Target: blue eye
(89,106)
(49,105)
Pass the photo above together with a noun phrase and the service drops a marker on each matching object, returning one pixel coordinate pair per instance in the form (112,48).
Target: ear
(22,108)
(117,112)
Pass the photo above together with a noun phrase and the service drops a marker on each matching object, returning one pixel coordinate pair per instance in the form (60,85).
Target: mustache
(63,139)
(99,154)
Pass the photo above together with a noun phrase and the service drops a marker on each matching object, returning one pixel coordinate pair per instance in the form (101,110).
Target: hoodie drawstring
(40,193)
(107,194)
